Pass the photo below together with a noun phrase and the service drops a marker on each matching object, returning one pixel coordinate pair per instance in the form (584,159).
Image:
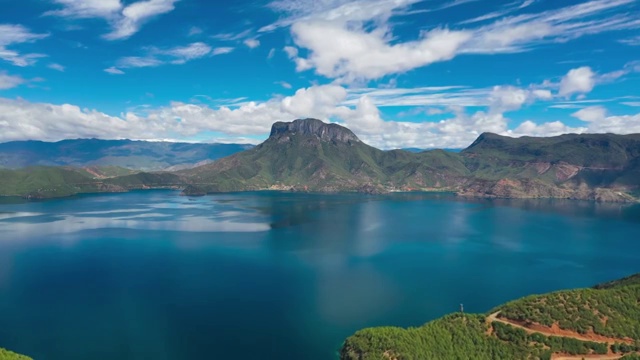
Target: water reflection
(281,276)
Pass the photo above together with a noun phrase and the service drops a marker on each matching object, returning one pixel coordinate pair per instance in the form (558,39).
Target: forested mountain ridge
(310,155)
(565,324)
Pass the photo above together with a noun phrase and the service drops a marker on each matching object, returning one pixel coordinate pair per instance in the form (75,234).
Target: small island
(602,322)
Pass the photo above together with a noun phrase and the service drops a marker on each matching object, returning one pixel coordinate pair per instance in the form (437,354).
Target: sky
(399,73)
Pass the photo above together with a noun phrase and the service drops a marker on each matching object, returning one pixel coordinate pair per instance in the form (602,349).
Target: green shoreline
(611,322)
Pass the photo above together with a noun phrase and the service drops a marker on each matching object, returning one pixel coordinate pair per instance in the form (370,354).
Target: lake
(153,275)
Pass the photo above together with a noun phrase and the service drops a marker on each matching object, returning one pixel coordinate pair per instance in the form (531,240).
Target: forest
(610,309)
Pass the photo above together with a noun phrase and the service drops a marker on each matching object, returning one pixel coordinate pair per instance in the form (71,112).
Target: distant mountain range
(310,155)
(135,155)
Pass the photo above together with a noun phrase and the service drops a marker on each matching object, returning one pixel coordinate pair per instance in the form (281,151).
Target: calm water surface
(152,275)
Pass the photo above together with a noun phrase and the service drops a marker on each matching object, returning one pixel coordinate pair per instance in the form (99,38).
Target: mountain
(138,155)
(309,155)
(566,324)
(587,166)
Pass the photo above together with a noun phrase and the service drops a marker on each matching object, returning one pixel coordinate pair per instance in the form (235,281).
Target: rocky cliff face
(313,127)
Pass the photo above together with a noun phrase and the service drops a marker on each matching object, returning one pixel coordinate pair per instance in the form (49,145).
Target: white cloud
(591,114)
(177,55)
(580,80)
(291,52)
(555,128)
(56,67)
(11,35)
(114,71)
(284,84)
(354,40)
(137,61)
(252,43)
(633,41)
(232,36)
(186,53)
(9,81)
(599,122)
(195,31)
(339,52)
(355,108)
(222,50)
(125,19)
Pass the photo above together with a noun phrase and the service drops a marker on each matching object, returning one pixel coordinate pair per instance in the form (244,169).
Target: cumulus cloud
(11,35)
(125,19)
(591,114)
(358,109)
(354,40)
(580,80)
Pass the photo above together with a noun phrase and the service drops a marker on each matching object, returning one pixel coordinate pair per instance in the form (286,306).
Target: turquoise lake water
(153,275)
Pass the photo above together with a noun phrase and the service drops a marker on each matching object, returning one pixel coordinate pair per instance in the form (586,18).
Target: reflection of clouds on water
(153,213)
(558,263)
(110,212)
(367,241)
(71,224)
(14,215)
(344,296)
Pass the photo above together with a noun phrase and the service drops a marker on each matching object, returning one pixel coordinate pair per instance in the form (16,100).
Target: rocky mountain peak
(324,131)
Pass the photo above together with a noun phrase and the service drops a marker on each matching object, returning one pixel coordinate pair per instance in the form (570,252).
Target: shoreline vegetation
(311,156)
(10,355)
(594,323)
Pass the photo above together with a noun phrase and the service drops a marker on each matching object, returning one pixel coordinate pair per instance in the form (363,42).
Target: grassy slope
(305,162)
(458,336)
(45,180)
(51,182)
(8,355)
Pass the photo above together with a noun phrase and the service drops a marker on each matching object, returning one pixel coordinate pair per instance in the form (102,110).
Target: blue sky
(400,73)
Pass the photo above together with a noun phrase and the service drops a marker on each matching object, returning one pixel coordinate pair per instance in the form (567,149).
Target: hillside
(309,155)
(8,355)
(588,166)
(137,155)
(50,182)
(600,322)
